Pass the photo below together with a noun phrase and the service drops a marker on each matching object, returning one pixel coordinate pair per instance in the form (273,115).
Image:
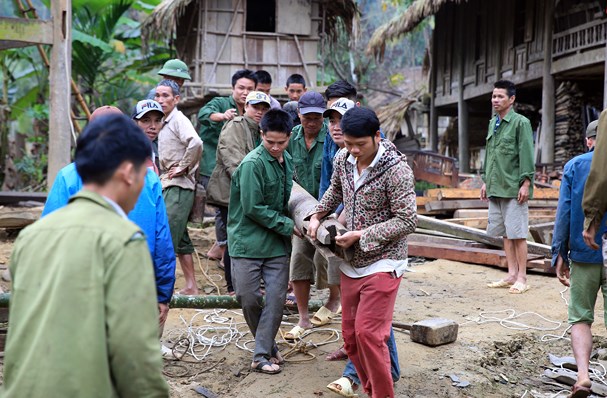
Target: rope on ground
(206,275)
(301,346)
(198,341)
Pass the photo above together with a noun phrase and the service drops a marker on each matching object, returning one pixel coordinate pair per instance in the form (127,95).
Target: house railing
(582,37)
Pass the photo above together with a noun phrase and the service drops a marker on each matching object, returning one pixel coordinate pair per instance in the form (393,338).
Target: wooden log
(472,255)
(478,204)
(301,204)
(460,193)
(19,218)
(10,197)
(481,222)
(475,234)
(444,240)
(474,213)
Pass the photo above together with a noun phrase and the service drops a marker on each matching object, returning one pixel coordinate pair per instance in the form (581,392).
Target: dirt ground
(489,358)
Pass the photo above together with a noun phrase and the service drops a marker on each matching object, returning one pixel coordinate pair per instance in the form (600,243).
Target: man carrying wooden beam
(569,251)
(508,172)
(375,185)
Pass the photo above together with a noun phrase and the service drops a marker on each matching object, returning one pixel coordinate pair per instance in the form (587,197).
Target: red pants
(367,305)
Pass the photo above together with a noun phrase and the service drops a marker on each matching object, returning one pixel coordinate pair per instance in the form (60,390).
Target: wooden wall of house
(496,34)
(205,26)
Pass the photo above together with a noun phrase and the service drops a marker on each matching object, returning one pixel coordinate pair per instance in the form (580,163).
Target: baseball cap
(104,110)
(311,102)
(592,129)
(145,106)
(341,106)
(257,97)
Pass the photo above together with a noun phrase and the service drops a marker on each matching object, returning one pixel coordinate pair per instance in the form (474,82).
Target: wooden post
(548,92)
(60,75)
(433,122)
(605,80)
(463,147)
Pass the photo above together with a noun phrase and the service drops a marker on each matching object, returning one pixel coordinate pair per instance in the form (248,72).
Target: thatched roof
(391,116)
(162,23)
(404,23)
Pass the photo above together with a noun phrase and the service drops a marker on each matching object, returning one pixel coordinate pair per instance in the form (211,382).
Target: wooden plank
(461,193)
(481,222)
(472,255)
(11,197)
(437,205)
(21,30)
(472,213)
(475,234)
(19,218)
(444,240)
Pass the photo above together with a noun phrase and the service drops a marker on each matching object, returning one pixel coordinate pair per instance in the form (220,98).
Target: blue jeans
(350,371)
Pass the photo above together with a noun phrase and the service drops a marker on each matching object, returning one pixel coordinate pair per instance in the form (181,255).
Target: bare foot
(267,367)
(333,305)
(188,292)
(277,359)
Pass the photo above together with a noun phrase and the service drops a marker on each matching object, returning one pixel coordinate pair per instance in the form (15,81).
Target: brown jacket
(179,147)
(237,138)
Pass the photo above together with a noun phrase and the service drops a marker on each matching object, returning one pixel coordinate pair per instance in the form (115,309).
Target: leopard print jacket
(383,207)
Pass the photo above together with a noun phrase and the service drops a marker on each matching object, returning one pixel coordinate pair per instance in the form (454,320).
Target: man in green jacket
(238,137)
(84,319)
(508,183)
(212,118)
(259,236)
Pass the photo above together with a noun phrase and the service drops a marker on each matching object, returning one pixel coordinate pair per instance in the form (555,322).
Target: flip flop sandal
(337,355)
(579,391)
(322,317)
(259,368)
(519,288)
(499,284)
(345,389)
(296,333)
(293,304)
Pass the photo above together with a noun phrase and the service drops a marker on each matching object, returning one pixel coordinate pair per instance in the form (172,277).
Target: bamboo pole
(193,302)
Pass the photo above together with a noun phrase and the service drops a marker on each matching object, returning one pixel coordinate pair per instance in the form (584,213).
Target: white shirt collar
(116,207)
(380,151)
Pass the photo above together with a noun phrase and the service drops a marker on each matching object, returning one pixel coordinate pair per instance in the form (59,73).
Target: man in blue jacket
(577,265)
(149,214)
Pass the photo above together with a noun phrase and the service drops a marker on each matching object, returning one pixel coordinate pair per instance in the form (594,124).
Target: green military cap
(175,68)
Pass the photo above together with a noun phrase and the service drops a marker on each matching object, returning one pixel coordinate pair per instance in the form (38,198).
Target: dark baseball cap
(591,129)
(311,102)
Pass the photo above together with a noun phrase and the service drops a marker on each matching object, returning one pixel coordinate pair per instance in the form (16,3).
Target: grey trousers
(263,320)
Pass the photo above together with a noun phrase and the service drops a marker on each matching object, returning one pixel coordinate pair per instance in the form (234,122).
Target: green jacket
(307,162)
(508,156)
(238,137)
(209,130)
(84,317)
(595,200)
(258,221)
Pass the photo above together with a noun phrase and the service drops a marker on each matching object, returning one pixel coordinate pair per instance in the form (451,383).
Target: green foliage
(347,58)
(107,65)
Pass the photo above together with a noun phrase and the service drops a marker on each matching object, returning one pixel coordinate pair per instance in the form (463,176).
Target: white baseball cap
(341,106)
(145,106)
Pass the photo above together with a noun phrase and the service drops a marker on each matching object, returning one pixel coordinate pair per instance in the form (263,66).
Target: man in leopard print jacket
(375,184)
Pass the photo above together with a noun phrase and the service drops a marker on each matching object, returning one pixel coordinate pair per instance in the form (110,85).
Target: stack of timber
(569,126)
(460,235)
